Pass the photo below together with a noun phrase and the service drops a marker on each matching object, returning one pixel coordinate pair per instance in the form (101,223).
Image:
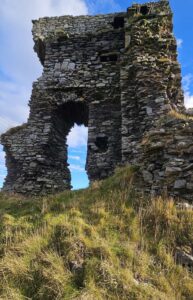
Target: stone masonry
(118,75)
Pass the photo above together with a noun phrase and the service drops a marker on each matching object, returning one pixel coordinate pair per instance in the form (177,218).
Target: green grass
(105,242)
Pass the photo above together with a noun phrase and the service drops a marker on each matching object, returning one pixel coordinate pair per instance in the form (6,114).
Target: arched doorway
(77,154)
(71,134)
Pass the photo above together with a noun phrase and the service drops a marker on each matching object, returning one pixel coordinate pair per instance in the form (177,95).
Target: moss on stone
(16,129)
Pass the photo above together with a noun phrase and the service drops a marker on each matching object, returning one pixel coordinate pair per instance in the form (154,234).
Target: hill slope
(106,242)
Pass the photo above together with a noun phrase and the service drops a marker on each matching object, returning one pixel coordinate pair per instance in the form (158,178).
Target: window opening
(118,22)
(109,57)
(144,10)
(102,143)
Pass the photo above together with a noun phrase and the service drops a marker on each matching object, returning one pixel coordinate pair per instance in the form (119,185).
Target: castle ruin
(118,75)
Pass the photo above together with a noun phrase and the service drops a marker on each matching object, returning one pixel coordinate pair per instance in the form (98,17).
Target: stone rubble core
(118,74)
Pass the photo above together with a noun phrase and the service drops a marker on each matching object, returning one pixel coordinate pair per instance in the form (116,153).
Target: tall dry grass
(105,242)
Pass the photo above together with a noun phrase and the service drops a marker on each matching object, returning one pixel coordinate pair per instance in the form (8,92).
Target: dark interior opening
(62,39)
(79,93)
(109,57)
(102,143)
(118,22)
(144,10)
(104,58)
(40,49)
(74,113)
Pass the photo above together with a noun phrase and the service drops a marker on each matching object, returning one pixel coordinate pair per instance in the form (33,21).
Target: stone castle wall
(166,160)
(118,74)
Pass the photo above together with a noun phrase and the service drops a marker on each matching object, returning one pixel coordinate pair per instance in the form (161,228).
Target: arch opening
(77,156)
(72,120)
(3,170)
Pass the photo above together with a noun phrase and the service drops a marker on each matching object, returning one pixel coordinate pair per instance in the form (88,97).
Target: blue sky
(19,66)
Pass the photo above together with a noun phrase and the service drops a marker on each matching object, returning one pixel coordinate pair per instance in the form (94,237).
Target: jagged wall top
(80,25)
(118,74)
(51,28)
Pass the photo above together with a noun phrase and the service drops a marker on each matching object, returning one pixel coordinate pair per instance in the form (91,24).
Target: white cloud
(19,65)
(6,123)
(76,168)
(188,97)
(186,81)
(78,151)
(78,136)
(13,105)
(73,157)
(179,43)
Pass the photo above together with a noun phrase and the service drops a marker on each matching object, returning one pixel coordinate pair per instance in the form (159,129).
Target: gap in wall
(3,170)
(77,153)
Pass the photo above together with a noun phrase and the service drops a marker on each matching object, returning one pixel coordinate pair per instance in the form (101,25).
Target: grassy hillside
(105,242)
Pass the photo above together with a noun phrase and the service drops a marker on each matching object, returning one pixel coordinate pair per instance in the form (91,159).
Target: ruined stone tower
(116,73)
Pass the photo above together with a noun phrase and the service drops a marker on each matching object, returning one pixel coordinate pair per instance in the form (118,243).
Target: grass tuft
(180,116)
(104,242)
